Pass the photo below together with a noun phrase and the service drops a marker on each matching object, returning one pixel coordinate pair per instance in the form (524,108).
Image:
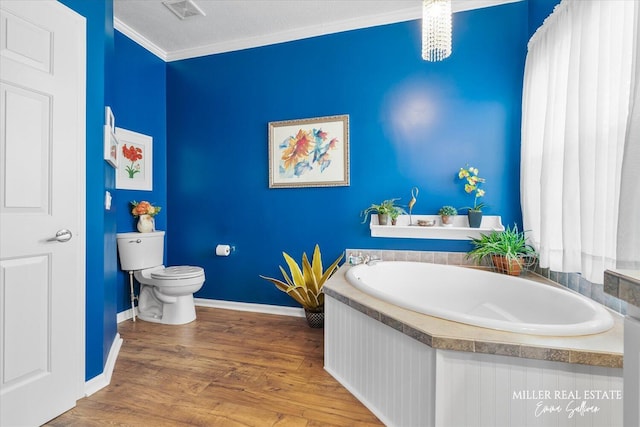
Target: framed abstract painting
(135,161)
(309,152)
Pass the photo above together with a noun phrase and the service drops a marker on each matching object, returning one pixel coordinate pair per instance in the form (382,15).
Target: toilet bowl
(166,293)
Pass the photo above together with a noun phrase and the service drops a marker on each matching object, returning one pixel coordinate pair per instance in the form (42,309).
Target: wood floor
(228,368)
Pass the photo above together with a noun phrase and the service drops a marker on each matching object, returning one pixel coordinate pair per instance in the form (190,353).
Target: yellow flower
(470,174)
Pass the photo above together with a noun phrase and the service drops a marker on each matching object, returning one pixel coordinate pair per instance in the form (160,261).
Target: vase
(475,218)
(146,224)
(315,319)
(447,220)
(383,219)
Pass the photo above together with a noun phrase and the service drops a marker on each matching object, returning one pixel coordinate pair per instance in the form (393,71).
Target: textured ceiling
(239,24)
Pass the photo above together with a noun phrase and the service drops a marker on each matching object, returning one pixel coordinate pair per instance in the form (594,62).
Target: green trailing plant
(510,244)
(448,211)
(305,284)
(396,211)
(387,207)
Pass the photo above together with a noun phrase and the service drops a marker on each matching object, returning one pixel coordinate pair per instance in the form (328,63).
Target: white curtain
(628,254)
(576,98)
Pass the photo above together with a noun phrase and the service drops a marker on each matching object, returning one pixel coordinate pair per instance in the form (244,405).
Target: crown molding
(139,38)
(297,34)
(402,15)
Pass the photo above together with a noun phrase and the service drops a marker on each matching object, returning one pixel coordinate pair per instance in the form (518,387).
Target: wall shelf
(460,229)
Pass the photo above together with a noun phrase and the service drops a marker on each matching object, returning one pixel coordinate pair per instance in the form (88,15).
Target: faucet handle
(355,259)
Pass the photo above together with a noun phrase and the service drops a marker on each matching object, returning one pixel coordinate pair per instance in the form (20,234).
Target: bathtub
(481,298)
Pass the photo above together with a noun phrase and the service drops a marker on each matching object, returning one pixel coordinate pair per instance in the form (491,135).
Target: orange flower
(299,148)
(132,153)
(144,208)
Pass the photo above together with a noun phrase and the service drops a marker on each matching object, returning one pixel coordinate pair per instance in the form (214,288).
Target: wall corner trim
(100,381)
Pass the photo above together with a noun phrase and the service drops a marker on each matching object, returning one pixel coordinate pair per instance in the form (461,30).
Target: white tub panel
(393,377)
(478,389)
(632,371)
(407,383)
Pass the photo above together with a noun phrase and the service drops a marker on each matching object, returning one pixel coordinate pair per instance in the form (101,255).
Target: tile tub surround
(603,349)
(596,291)
(623,284)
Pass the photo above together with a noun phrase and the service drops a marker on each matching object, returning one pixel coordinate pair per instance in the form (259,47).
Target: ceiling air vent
(183,8)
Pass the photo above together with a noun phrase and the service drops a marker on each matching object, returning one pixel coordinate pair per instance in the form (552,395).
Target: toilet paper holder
(225,250)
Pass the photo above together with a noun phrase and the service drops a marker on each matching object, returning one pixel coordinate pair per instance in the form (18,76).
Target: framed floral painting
(309,152)
(135,161)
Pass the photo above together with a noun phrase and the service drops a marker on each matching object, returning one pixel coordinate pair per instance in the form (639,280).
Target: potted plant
(472,185)
(508,250)
(305,284)
(384,210)
(395,212)
(447,214)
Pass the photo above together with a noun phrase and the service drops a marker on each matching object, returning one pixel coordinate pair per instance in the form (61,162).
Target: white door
(42,149)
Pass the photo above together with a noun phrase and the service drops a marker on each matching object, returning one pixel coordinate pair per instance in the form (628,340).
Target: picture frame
(135,161)
(310,152)
(110,139)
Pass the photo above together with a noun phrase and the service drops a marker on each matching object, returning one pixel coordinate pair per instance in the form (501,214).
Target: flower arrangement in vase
(145,212)
(472,185)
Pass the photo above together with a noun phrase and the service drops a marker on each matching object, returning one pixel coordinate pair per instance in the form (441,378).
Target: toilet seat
(178,272)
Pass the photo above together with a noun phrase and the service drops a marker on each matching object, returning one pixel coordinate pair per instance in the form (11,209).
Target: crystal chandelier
(436,29)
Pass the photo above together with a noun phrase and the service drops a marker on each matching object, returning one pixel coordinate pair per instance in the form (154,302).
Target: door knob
(61,236)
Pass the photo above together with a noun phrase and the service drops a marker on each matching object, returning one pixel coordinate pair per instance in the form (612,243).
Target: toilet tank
(138,251)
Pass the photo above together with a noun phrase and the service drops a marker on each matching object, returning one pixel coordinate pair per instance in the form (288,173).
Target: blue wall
(101,225)
(412,123)
(538,12)
(139,105)
(220,107)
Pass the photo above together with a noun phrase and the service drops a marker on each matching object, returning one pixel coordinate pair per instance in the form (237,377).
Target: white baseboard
(100,381)
(247,306)
(124,315)
(233,305)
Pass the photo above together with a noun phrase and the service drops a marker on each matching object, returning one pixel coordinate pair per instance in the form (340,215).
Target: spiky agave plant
(305,285)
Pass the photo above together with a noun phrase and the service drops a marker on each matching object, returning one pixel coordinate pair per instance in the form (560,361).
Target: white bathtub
(481,298)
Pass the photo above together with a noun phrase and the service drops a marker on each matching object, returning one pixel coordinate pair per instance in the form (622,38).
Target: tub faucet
(371,259)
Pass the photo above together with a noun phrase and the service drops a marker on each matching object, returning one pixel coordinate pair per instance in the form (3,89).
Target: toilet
(166,293)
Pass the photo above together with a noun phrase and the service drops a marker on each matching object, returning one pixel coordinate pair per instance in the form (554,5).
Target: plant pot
(512,267)
(447,220)
(475,218)
(315,319)
(383,219)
